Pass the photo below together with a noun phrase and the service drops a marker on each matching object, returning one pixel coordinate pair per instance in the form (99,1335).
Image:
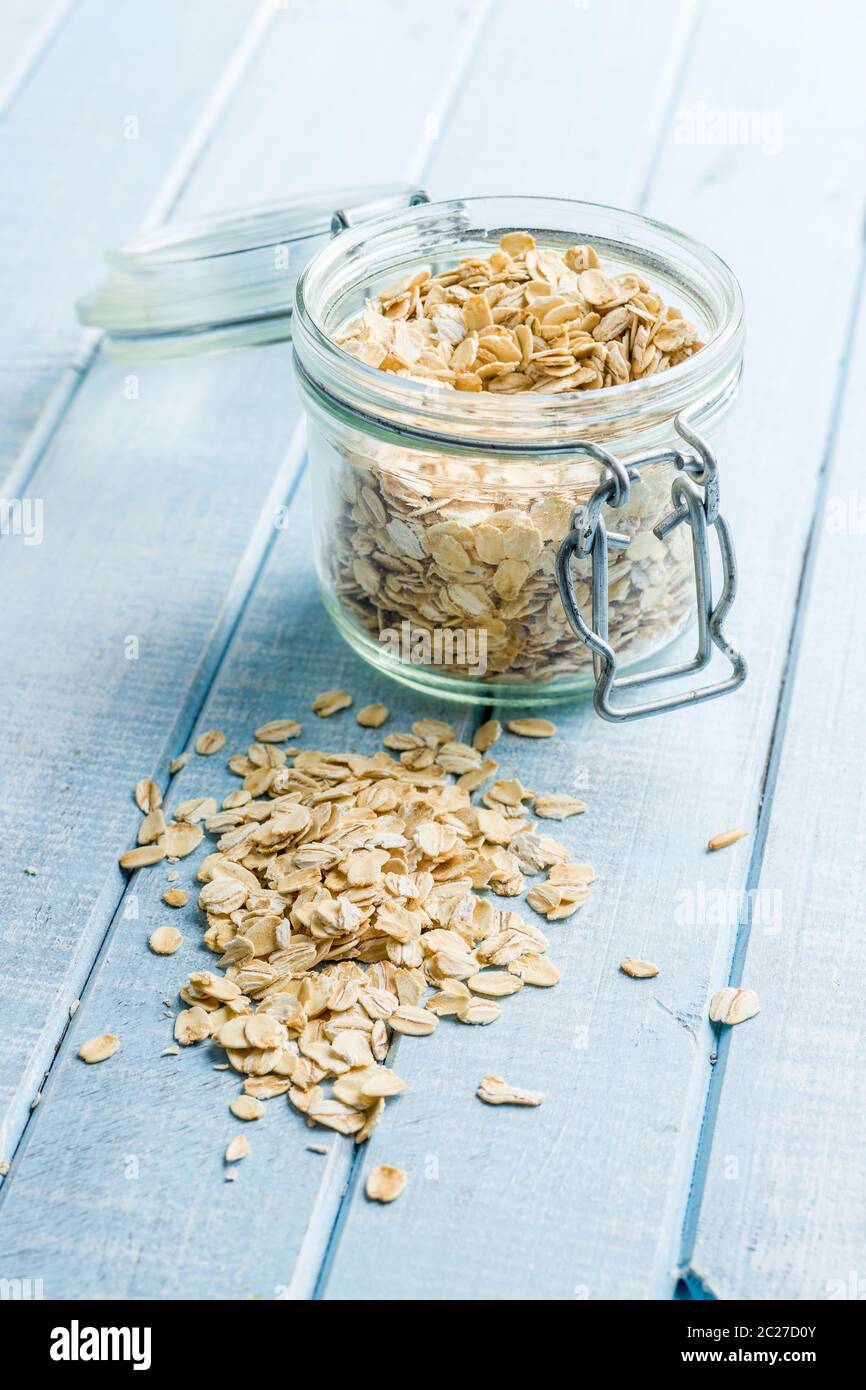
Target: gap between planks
(168,194)
(787,679)
(658,119)
(32,54)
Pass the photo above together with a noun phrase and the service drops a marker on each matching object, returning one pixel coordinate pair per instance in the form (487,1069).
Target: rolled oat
(237,1149)
(99,1049)
(210,742)
(638,969)
(727,837)
(246,1108)
(734,1005)
(372,716)
(531,728)
(494,1090)
(385,1183)
(165,941)
(330,702)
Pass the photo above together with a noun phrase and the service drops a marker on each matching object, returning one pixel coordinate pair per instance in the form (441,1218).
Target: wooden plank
(586,1197)
(504,140)
(157,465)
(783,1214)
(82,184)
(27,30)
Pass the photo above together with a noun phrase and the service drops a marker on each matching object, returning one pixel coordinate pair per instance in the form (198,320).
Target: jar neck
(635,434)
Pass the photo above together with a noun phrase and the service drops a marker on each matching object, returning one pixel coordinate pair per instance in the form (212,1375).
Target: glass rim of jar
(386,246)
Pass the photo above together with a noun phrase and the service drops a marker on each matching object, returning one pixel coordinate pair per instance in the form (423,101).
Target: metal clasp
(695,503)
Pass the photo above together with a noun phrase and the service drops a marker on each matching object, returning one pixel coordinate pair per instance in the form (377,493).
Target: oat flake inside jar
(510,505)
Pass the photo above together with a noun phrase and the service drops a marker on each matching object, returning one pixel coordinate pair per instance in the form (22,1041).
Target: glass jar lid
(224,281)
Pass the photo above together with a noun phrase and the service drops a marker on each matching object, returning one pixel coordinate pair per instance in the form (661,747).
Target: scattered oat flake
(237,1149)
(434,731)
(192,1026)
(152,827)
(31,870)
(74,1007)
(4,1167)
(734,1005)
(329,702)
(412,1020)
(727,837)
(478,1012)
(531,728)
(148,797)
(385,1183)
(175,897)
(535,970)
(142,857)
(318,1149)
(572,874)
(495,984)
(246,1108)
(181,838)
(486,735)
(99,1049)
(372,716)
(195,809)
(638,969)
(165,941)
(494,1090)
(211,741)
(231,1175)
(178,763)
(556,901)
(171,1051)
(558,807)
(278,731)
(266,1087)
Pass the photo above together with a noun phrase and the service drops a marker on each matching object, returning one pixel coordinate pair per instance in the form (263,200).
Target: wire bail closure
(695,503)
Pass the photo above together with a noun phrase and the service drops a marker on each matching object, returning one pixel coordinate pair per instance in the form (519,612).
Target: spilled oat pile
(350,897)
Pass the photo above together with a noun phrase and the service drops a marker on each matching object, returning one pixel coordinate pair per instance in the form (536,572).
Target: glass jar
(462,541)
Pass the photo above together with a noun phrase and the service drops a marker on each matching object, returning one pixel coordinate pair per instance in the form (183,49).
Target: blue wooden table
(162,601)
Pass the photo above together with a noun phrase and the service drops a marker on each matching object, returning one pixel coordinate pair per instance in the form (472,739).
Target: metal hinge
(695,503)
